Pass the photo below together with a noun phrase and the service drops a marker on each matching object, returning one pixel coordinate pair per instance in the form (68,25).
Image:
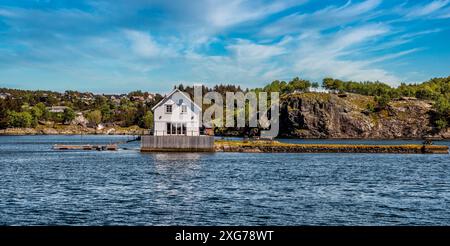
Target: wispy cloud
(143,45)
(232,12)
(327,55)
(433,7)
(246,50)
(328,17)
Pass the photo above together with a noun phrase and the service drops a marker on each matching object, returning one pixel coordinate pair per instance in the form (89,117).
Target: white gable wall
(190,118)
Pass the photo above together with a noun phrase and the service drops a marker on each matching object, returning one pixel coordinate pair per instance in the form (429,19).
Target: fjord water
(39,186)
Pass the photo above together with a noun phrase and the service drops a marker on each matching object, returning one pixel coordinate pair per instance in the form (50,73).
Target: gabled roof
(170,94)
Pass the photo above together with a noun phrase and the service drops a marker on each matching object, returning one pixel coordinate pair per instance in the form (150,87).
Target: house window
(180,101)
(168,109)
(183,109)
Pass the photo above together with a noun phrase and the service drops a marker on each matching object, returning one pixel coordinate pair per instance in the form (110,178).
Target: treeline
(221,88)
(295,85)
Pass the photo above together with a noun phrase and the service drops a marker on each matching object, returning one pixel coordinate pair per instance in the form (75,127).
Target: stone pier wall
(177,143)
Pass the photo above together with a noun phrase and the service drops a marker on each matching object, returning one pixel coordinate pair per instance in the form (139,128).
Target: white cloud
(247,50)
(232,12)
(427,9)
(353,36)
(7,13)
(322,19)
(334,55)
(142,44)
(394,55)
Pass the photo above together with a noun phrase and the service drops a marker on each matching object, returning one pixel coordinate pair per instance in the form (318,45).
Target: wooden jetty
(107,147)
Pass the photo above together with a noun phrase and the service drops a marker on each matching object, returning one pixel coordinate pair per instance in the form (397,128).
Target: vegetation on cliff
(437,90)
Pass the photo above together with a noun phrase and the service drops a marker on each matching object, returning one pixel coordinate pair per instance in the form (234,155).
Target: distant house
(87,99)
(56,109)
(115,100)
(137,98)
(320,90)
(176,114)
(149,98)
(4,95)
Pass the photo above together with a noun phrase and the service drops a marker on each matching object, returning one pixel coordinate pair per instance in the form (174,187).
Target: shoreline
(69,130)
(72,130)
(93,132)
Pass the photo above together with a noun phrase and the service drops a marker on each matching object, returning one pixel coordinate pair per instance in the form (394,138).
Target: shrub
(68,115)
(19,119)
(147,120)
(94,117)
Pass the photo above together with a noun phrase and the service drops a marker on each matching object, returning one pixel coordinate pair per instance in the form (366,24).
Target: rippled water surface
(39,186)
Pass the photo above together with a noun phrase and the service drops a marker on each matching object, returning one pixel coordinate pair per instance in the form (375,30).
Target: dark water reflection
(39,186)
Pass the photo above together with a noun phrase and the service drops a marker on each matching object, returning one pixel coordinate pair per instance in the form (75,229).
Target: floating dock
(107,147)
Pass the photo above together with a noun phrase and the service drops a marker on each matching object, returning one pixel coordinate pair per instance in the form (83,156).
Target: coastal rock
(80,120)
(324,115)
(19,131)
(49,131)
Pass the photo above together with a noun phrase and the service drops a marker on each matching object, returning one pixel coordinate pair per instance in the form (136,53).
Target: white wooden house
(176,114)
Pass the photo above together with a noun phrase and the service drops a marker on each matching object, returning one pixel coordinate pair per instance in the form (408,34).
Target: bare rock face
(80,120)
(321,115)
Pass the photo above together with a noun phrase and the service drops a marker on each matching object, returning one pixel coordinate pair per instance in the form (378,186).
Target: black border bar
(226,234)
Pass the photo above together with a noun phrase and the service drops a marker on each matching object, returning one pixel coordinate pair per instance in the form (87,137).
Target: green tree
(94,117)
(442,107)
(41,106)
(147,120)
(99,101)
(333,84)
(36,112)
(382,101)
(299,85)
(45,113)
(315,85)
(19,119)
(106,113)
(68,115)
(441,123)
(370,107)
(137,93)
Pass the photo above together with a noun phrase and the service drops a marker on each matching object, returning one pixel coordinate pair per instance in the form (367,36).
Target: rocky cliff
(323,115)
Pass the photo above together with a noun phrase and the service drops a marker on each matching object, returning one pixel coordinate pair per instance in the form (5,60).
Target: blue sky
(118,46)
